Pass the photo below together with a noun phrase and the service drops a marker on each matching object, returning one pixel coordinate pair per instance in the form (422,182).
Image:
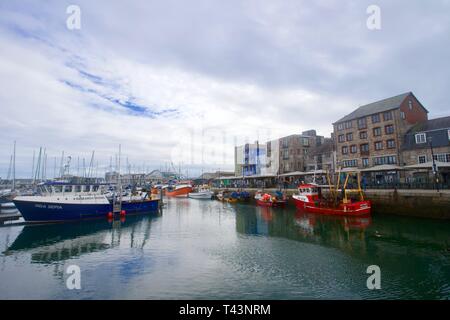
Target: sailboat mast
(14,167)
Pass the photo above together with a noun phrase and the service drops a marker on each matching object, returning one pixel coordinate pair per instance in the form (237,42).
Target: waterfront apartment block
(249,158)
(372,135)
(284,155)
(294,150)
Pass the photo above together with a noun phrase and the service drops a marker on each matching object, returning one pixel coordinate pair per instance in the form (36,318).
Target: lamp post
(435,171)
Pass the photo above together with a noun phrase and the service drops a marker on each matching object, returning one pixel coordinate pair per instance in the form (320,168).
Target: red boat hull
(270,203)
(361,208)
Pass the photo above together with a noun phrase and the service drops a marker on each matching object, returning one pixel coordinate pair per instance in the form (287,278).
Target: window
(421,138)
(422,158)
(353,149)
(350,136)
(377,131)
(362,123)
(348,125)
(340,126)
(390,144)
(344,150)
(389,129)
(402,115)
(448,133)
(375,118)
(365,162)
(364,148)
(350,163)
(378,161)
(443,157)
(410,105)
(305,141)
(379,145)
(363,135)
(387,115)
(341,138)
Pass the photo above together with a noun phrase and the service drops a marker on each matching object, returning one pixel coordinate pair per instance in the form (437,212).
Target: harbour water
(197,249)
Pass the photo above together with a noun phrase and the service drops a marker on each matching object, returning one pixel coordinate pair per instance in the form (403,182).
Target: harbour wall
(406,202)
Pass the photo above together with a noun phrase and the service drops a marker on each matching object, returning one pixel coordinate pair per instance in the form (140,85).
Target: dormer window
(421,138)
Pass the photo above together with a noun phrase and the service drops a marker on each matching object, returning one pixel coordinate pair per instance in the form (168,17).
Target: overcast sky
(174,80)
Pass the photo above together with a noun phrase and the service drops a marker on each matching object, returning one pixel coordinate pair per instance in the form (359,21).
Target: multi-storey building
(294,150)
(425,142)
(249,159)
(372,135)
(322,157)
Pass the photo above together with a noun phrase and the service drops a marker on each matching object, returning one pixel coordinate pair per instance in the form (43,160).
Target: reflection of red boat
(308,200)
(267,200)
(181,190)
(266,214)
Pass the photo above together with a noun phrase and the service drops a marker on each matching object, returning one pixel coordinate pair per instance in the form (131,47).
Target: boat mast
(119,180)
(14,168)
(32,167)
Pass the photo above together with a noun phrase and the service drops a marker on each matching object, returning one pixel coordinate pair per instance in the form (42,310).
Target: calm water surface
(200,249)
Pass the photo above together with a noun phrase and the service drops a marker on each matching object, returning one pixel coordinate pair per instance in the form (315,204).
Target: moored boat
(61,202)
(179,190)
(202,192)
(310,199)
(268,200)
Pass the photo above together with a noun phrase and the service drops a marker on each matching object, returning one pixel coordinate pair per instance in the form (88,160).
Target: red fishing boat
(179,191)
(310,199)
(268,200)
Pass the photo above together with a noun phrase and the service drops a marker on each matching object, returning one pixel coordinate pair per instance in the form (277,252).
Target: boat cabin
(309,191)
(67,188)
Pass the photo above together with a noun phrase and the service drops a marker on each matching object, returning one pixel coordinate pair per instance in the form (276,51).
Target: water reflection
(54,243)
(349,233)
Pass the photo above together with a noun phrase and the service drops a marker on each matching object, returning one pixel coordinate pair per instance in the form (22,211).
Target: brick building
(371,137)
(322,156)
(294,150)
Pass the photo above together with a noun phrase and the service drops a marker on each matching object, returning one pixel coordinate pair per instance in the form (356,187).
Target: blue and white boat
(57,202)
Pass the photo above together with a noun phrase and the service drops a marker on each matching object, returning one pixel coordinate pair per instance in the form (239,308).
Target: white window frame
(422,156)
(448,133)
(420,141)
(443,156)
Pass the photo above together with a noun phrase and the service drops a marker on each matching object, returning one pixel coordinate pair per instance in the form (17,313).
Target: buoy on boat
(110,215)
(123,212)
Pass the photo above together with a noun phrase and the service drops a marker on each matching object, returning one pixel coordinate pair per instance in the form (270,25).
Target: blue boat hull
(51,212)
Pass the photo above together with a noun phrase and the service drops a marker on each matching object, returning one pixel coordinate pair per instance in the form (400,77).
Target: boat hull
(59,212)
(179,193)
(201,195)
(270,203)
(361,208)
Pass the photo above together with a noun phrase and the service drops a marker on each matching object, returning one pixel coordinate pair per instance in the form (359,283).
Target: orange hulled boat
(179,190)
